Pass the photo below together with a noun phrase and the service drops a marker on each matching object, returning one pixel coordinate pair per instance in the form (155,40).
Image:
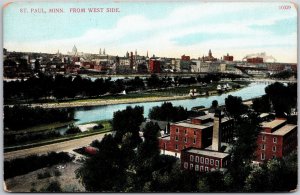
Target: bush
(43,175)
(54,186)
(73,130)
(100,126)
(57,173)
(31,163)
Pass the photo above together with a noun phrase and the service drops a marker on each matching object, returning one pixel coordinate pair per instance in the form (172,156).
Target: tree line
(20,117)
(43,87)
(279,97)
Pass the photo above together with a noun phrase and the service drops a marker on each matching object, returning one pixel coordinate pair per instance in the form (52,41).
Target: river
(88,114)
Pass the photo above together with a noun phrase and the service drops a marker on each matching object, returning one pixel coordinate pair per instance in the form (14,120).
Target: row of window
(207,161)
(202,168)
(185,139)
(263,156)
(185,131)
(263,138)
(263,147)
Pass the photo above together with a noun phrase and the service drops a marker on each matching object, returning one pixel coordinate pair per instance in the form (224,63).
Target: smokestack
(216,140)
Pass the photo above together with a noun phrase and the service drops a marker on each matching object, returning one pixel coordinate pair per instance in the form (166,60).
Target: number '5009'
(285,7)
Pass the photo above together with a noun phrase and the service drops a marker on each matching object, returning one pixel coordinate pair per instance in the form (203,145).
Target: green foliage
(21,117)
(261,104)
(20,166)
(53,186)
(57,173)
(44,175)
(104,171)
(73,130)
(283,97)
(283,75)
(167,112)
(128,120)
(234,106)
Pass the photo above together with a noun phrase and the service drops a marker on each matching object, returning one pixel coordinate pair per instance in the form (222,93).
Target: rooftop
(190,125)
(263,115)
(284,130)
(273,123)
(206,152)
(204,117)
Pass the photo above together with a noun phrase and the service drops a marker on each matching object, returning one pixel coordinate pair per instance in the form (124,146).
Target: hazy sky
(168,29)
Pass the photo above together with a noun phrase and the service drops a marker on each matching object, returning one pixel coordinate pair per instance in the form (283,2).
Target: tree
(128,120)
(243,148)
(214,106)
(261,104)
(104,171)
(167,112)
(234,106)
(283,98)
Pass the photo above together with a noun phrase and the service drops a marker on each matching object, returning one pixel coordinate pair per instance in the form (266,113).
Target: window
(201,168)
(206,169)
(263,147)
(262,156)
(202,160)
(176,146)
(197,159)
(185,131)
(206,161)
(274,139)
(176,138)
(186,165)
(194,132)
(191,158)
(177,130)
(191,166)
(274,148)
(263,138)
(196,167)
(194,142)
(211,161)
(217,163)
(165,146)
(185,139)
(184,147)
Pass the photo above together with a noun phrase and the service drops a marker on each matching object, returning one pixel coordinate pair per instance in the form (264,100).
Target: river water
(95,113)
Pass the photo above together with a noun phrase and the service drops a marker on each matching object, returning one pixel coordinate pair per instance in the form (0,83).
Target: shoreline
(90,103)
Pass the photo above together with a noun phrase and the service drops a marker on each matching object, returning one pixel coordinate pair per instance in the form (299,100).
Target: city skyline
(168,29)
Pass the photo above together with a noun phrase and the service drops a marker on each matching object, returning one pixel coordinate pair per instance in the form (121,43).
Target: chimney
(216,139)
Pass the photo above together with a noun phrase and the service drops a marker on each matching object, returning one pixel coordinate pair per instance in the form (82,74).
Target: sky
(166,29)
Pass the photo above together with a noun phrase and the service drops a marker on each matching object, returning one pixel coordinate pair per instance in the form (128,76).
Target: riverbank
(101,102)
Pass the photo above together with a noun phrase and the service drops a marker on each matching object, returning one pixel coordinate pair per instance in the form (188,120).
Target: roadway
(66,146)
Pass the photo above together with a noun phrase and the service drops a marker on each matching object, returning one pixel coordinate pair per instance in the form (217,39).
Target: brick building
(228,58)
(196,132)
(215,156)
(185,58)
(203,160)
(255,60)
(276,139)
(154,65)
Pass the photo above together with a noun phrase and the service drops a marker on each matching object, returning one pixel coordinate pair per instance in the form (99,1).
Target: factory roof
(206,152)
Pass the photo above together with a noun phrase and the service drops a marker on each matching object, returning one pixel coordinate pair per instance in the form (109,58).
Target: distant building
(255,60)
(154,65)
(209,57)
(228,58)
(185,58)
(276,139)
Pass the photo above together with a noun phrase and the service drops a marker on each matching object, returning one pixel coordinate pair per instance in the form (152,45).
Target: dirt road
(66,146)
